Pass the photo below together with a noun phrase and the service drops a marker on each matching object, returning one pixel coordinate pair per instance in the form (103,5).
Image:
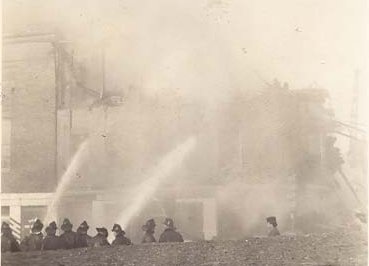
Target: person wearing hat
(101,238)
(68,238)
(272,222)
(8,241)
(34,240)
(149,229)
(120,238)
(83,239)
(170,234)
(51,241)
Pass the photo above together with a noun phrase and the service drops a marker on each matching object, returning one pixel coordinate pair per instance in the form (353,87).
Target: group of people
(169,235)
(70,239)
(80,239)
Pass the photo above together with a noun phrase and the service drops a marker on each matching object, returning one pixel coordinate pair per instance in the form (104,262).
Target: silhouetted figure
(51,241)
(68,238)
(34,240)
(333,156)
(101,239)
(272,221)
(170,234)
(149,229)
(120,238)
(8,241)
(83,239)
(277,84)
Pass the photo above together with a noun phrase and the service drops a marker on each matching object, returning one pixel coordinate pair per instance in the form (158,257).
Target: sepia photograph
(194,133)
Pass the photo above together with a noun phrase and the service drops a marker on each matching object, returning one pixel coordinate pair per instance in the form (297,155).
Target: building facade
(56,100)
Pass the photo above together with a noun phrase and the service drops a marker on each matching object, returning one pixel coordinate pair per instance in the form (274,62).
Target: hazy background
(198,48)
(204,53)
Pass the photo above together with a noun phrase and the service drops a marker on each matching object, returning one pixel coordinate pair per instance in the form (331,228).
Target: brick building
(55,99)
(29,112)
(36,123)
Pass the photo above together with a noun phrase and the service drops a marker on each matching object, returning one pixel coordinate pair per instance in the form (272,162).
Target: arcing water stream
(65,180)
(146,189)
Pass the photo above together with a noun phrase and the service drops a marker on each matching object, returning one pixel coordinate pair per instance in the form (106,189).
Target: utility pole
(354,150)
(103,94)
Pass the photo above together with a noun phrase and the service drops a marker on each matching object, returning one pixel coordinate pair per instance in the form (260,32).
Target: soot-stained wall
(29,74)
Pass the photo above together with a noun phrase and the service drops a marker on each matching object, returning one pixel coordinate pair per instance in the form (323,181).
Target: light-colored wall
(29,69)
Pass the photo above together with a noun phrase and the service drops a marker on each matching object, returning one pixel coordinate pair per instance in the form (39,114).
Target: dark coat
(51,242)
(120,239)
(170,235)
(32,242)
(148,238)
(68,240)
(9,243)
(100,241)
(83,240)
(274,232)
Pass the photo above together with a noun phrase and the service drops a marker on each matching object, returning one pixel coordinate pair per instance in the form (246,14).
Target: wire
(349,136)
(350,126)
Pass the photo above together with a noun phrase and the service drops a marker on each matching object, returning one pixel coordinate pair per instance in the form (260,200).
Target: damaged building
(273,143)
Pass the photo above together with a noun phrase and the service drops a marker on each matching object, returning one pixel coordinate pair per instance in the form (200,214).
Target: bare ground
(324,249)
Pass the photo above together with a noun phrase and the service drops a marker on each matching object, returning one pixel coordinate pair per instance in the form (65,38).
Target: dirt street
(323,249)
